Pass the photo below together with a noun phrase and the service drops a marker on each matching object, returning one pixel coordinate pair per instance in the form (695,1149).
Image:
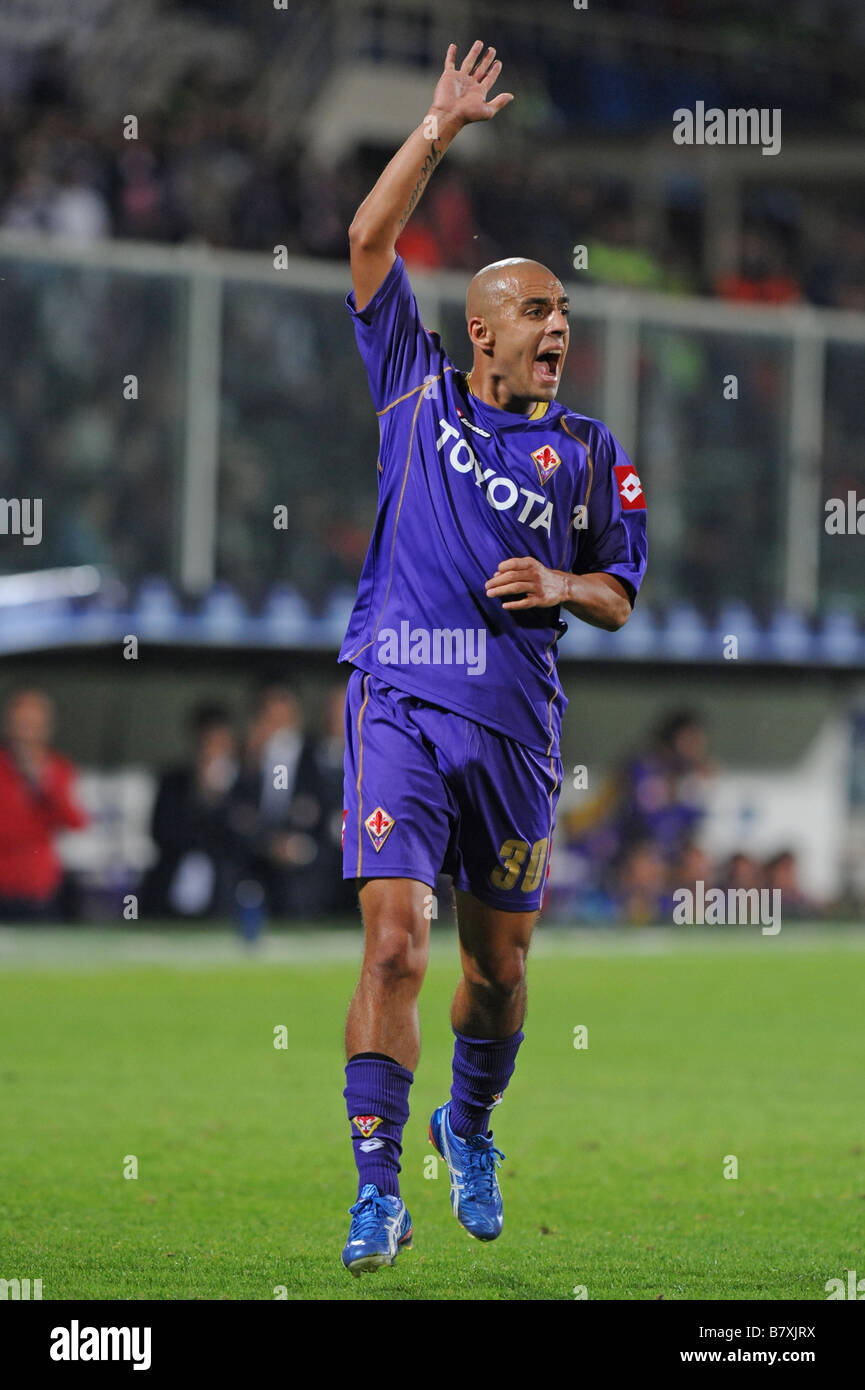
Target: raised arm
(459,99)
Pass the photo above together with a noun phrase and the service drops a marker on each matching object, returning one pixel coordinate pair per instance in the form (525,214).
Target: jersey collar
(541,408)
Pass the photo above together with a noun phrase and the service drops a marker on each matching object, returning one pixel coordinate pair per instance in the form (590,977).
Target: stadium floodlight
(41,586)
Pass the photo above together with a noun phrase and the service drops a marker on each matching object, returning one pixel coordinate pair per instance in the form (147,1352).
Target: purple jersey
(462,486)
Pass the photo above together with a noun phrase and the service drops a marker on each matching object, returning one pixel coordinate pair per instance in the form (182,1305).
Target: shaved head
(500,281)
(517,319)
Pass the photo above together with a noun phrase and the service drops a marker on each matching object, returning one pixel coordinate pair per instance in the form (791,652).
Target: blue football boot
(472,1163)
(380,1228)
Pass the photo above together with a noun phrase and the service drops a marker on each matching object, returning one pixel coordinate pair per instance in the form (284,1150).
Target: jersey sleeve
(397,350)
(614,540)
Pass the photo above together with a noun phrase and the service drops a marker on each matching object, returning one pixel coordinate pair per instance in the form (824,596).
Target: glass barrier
(712,450)
(841,525)
(298,430)
(105,454)
(101,453)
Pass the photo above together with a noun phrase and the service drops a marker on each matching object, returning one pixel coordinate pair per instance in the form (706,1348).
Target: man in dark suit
(278,806)
(199,859)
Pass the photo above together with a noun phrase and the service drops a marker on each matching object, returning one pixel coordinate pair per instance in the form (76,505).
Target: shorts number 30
(513,855)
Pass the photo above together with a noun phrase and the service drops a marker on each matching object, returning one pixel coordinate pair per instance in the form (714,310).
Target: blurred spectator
(199,858)
(641,893)
(742,871)
(836,273)
(662,795)
(76,210)
(452,217)
(781,872)
(625,851)
(616,257)
(321,215)
(418,244)
(337,895)
(762,277)
(141,211)
(691,867)
(37,799)
(26,208)
(278,805)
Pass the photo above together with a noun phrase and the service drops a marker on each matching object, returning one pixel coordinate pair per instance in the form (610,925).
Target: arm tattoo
(429,164)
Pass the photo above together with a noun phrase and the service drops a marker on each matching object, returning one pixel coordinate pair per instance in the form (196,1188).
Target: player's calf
(382,1045)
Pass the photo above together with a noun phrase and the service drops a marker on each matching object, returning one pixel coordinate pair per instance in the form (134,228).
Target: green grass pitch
(614,1179)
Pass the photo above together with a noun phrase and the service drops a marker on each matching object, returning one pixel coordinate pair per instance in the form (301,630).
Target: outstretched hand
(461,92)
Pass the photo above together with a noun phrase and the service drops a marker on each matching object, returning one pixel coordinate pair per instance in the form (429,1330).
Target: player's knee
(501,977)
(395,956)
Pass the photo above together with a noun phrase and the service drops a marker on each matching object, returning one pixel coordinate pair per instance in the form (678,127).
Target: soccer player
(497,508)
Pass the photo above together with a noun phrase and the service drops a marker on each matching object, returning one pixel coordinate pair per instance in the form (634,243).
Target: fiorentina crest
(379,825)
(366,1123)
(546,461)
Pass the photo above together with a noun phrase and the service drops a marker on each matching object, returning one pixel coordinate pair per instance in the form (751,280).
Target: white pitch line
(118,948)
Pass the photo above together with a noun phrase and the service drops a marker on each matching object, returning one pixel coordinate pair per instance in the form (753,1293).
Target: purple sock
(376,1097)
(482,1069)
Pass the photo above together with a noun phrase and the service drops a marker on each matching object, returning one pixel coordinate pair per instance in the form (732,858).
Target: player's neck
(490,390)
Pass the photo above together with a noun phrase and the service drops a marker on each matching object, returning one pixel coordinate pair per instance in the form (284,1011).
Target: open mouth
(547,366)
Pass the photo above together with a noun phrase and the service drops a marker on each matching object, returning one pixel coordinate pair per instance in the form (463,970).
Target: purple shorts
(428,791)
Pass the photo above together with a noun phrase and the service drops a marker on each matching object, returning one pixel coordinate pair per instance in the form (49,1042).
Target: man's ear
(481,335)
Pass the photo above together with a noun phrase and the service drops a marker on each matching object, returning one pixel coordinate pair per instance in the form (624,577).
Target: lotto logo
(630,488)
(379,825)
